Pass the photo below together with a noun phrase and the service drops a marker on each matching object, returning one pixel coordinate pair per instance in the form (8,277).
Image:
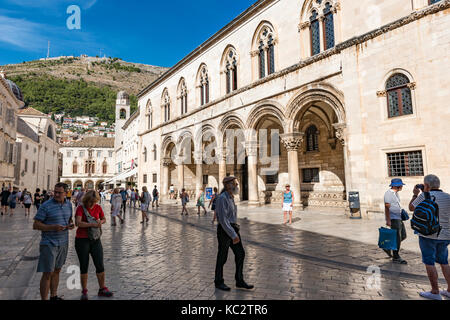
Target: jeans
(225,242)
(401,235)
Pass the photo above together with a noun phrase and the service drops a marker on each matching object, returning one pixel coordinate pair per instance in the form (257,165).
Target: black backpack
(426,217)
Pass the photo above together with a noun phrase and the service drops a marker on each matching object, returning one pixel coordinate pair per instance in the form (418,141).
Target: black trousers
(94,248)
(225,242)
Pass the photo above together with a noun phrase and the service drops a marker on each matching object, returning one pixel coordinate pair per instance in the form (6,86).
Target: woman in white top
(116,206)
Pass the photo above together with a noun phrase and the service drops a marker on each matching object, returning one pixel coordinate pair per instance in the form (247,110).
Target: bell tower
(122,115)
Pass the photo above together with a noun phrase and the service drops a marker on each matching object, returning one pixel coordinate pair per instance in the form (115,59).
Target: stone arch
(165,145)
(263,109)
(258,30)
(382,85)
(316,92)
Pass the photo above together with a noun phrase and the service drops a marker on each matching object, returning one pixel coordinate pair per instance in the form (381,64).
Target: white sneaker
(431,296)
(445,293)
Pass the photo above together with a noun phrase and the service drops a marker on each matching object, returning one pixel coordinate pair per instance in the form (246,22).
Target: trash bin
(354,204)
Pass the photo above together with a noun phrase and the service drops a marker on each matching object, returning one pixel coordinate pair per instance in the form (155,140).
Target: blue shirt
(51,213)
(226,212)
(287,197)
(123,193)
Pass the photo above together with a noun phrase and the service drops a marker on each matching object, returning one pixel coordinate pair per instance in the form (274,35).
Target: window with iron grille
(398,96)
(433,1)
(262,61)
(315,34)
(405,164)
(328,26)
(311,175)
(312,139)
(272,179)
(155,178)
(271,56)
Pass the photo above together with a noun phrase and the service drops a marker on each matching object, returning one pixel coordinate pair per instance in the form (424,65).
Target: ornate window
(328,27)
(266,51)
(182,96)
(231,70)
(149,115)
(75,168)
(398,96)
(105,167)
(204,85)
(315,33)
(312,138)
(405,164)
(166,105)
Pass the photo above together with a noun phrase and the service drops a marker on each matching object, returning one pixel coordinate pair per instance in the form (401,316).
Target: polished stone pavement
(173,257)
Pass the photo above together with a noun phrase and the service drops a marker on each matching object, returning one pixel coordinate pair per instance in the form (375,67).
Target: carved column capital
(254,53)
(340,132)
(337,7)
(292,141)
(304,25)
(381,93)
(411,85)
(166,162)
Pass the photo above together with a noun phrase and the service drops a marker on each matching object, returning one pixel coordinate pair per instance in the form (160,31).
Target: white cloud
(22,33)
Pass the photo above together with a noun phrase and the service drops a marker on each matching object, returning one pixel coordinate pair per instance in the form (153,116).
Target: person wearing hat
(288,203)
(393,212)
(228,235)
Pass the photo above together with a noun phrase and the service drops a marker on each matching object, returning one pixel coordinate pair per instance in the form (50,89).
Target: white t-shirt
(443,201)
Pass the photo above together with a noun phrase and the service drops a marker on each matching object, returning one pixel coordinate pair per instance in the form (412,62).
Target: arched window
(315,33)
(204,85)
(266,51)
(149,114)
(328,27)
(398,95)
(50,133)
(123,114)
(231,70)
(105,167)
(312,138)
(182,96)
(166,105)
(433,1)
(75,168)
(145,154)
(155,154)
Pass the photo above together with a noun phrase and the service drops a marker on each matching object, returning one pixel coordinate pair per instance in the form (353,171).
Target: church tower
(122,115)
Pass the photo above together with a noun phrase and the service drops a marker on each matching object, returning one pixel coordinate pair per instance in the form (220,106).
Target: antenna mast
(48,50)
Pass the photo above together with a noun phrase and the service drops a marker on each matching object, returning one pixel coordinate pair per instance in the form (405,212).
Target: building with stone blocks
(37,150)
(357,91)
(11,100)
(88,163)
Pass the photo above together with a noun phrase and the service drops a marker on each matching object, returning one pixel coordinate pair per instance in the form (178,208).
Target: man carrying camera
(434,247)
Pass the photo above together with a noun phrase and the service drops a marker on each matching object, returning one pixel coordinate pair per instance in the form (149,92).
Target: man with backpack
(393,212)
(155,197)
(431,221)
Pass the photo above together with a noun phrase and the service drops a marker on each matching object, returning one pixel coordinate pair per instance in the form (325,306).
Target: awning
(123,176)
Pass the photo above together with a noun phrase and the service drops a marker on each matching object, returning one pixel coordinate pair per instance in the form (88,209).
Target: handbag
(93,233)
(387,239)
(405,215)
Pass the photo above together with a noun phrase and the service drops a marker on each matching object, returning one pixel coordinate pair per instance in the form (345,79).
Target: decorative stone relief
(292,141)
(340,132)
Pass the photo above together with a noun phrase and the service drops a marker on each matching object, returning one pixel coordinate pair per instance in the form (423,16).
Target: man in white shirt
(434,248)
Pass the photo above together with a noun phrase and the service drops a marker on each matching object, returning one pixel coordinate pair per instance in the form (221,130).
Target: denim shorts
(434,251)
(52,258)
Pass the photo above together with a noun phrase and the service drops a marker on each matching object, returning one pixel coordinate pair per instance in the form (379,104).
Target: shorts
(12,205)
(155,198)
(52,258)
(4,203)
(287,207)
(27,205)
(434,251)
(144,207)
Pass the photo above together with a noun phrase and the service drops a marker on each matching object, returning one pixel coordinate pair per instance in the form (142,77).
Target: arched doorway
(78,184)
(100,185)
(69,184)
(89,185)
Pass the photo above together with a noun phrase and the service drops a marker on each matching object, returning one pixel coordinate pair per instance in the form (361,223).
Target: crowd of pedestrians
(12,198)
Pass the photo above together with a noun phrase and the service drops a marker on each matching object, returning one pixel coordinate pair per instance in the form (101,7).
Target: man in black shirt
(4,200)
(37,198)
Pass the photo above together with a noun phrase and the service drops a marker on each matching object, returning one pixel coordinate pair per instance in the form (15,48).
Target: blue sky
(151,32)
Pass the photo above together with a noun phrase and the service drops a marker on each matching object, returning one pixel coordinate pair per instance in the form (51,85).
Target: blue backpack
(426,217)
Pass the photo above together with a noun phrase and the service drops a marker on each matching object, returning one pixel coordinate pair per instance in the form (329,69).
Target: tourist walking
(228,235)
(393,214)
(79,197)
(69,196)
(129,196)
(184,200)
(4,196)
(12,200)
(201,202)
(434,248)
(288,204)
(116,207)
(37,198)
(212,204)
(133,198)
(19,197)
(171,191)
(27,200)
(145,202)
(54,219)
(89,218)
(123,193)
(155,197)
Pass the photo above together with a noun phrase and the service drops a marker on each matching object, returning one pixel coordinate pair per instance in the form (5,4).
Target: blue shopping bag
(387,239)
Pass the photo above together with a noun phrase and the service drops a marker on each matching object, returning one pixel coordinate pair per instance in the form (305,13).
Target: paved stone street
(173,257)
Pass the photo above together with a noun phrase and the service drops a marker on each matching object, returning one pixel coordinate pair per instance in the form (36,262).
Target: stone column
(252,153)
(180,173)
(198,159)
(222,169)
(165,179)
(292,142)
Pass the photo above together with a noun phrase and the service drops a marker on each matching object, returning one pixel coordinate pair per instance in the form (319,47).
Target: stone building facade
(11,100)
(88,163)
(354,93)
